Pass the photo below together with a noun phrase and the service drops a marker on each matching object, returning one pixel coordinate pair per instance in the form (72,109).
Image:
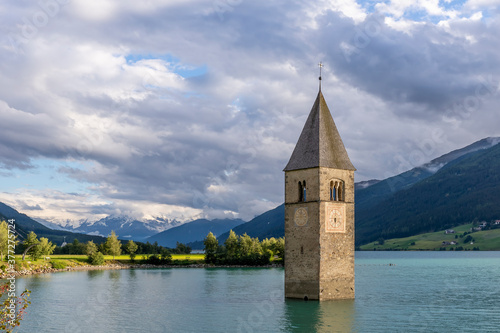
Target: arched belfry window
(304,198)
(336,190)
(301,192)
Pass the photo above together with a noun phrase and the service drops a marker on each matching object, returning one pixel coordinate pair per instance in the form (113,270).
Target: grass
(82,259)
(60,261)
(488,240)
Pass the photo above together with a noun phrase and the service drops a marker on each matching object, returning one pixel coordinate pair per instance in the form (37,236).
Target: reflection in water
(211,280)
(34,281)
(114,275)
(315,316)
(95,273)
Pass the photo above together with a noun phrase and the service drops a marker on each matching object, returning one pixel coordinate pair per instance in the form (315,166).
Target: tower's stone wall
(336,273)
(319,262)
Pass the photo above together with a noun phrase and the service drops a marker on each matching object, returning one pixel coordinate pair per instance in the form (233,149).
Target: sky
(184,109)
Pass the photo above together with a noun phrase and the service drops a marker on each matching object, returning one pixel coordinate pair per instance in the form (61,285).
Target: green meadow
(487,240)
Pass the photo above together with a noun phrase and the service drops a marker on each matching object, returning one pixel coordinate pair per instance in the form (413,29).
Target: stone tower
(319,212)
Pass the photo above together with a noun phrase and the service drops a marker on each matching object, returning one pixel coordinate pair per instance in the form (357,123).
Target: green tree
(246,245)
(166,257)
(31,246)
(268,244)
(211,245)
(90,248)
(76,247)
(182,249)
(232,248)
(96,258)
(131,248)
(279,248)
(4,239)
(113,245)
(46,248)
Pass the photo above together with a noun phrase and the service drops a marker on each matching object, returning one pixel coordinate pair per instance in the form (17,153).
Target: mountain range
(453,189)
(24,224)
(124,227)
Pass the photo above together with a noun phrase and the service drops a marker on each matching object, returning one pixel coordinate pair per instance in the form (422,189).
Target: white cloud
(481,4)
(95,10)
(110,92)
(401,8)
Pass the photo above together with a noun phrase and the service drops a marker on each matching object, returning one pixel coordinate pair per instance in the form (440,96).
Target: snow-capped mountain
(124,226)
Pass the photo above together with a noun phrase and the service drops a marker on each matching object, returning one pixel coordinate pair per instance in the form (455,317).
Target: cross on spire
(320,65)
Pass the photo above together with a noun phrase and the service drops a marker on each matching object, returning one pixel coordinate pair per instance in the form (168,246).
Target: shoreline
(111,266)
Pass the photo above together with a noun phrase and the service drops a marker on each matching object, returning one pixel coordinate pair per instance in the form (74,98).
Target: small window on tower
(304,192)
(332,191)
(301,192)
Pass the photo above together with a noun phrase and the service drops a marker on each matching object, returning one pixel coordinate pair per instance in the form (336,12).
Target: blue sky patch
(45,174)
(184,70)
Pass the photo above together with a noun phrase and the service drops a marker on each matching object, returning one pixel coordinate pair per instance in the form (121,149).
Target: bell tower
(319,212)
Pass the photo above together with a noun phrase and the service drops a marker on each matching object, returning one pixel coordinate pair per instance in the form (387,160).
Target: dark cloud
(429,66)
(143,140)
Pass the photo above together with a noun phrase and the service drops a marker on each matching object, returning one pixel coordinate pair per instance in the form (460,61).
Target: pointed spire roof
(319,143)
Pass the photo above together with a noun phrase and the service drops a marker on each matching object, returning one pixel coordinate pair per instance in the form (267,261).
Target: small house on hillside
(449,231)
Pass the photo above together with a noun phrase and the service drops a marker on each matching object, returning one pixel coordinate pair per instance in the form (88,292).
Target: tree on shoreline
(113,245)
(131,248)
(31,243)
(4,239)
(211,245)
(90,248)
(242,250)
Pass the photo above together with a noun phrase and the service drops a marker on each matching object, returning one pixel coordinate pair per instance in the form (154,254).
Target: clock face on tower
(300,218)
(335,218)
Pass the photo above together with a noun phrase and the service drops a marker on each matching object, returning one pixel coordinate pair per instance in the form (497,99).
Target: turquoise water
(420,292)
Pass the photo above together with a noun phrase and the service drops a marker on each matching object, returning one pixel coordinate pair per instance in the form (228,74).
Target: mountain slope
(25,224)
(193,231)
(373,194)
(267,225)
(464,190)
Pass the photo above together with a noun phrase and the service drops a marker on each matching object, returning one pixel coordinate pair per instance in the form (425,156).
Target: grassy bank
(487,240)
(61,261)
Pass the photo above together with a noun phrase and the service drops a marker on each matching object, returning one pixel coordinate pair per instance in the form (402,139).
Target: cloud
(192,109)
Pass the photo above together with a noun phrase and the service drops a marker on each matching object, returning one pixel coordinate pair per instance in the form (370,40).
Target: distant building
(449,231)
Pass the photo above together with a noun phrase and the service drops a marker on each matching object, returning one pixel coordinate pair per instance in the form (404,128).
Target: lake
(419,292)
